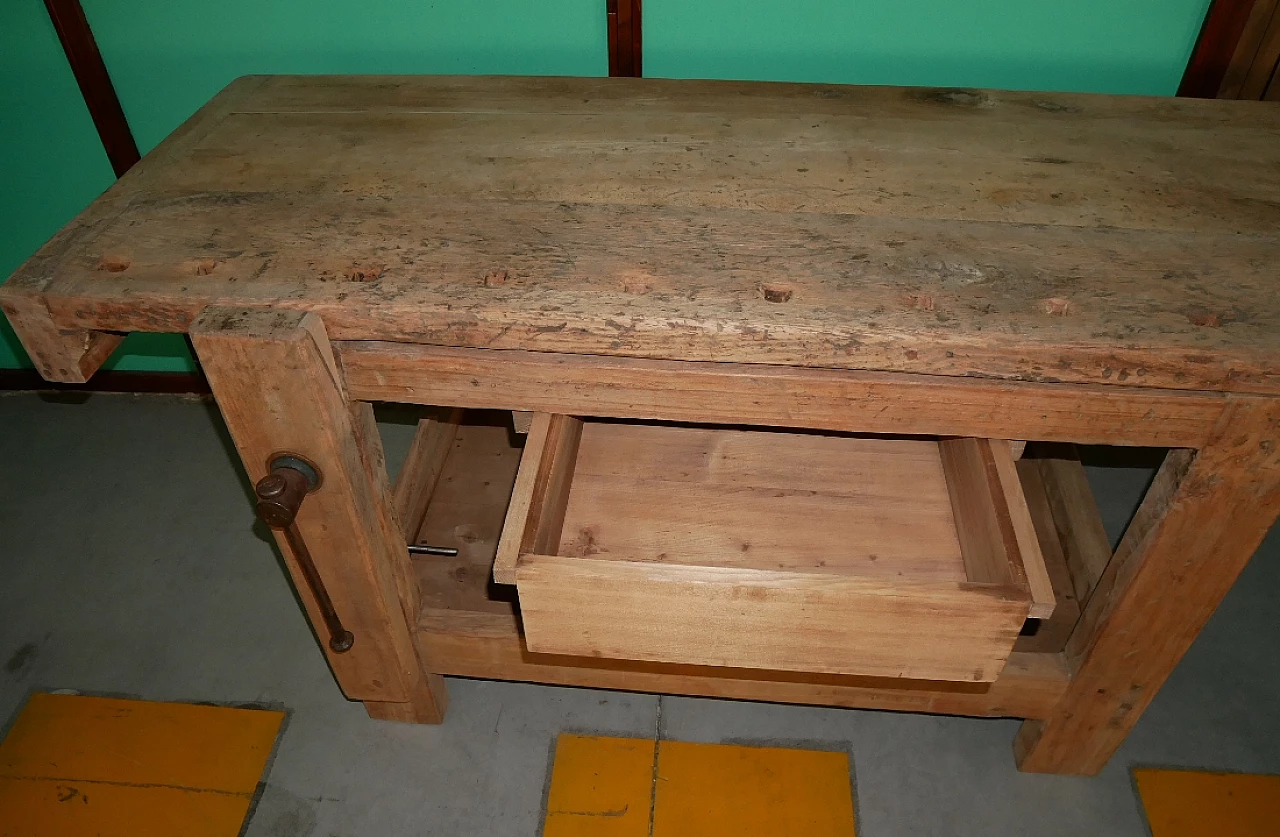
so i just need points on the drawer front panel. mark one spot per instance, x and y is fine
(746, 618)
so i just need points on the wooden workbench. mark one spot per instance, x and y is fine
(906, 262)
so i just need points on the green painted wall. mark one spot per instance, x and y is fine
(1100, 46)
(167, 57)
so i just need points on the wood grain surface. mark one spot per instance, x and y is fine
(779, 396)
(432, 441)
(829, 505)
(1085, 543)
(278, 388)
(1028, 236)
(835, 554)
(1200, 523)
(1050, 635)
(769, 619)
(537, 508)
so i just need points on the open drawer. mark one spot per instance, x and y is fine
(766, 549)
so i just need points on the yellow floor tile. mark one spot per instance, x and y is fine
(1188, 803)
(707, 790)
(86, 765)
(600, 787)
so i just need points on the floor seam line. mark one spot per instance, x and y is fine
(657, 747)
(145, 785)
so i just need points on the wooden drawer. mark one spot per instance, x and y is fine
(776, 550)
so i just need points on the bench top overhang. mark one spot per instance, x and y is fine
(1030, 236)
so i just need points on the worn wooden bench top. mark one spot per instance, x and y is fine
(1033, 236)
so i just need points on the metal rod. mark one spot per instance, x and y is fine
(423, 549)
(340, 639)
(280, 495)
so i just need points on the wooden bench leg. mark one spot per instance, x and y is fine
(275, 380)
(1201, 521)
(69, 356)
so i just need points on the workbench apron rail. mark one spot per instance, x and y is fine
(778, 396)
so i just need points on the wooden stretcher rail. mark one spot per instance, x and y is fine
(729, 393)
(1029, 686)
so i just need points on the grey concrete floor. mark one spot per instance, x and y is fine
(129, 565)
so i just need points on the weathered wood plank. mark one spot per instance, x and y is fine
(944, 297)
(1012, 235)
(806, 502)
(795, 621)
(148, 176)
(982, 522)
(66, 355)
(1175, 563)
(278, 387)
(1026, 540)
(997, 538)
(827, 148)
(776, 163)
(541, 492)
(1051, 634)
(1028, 687)
(1076, 516)
(422, 467)
(729, 393)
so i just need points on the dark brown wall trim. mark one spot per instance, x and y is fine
(166, 382)
(95, 84)
(1223, 25)
(624, 38)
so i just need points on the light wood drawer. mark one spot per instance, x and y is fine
(776, 550)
